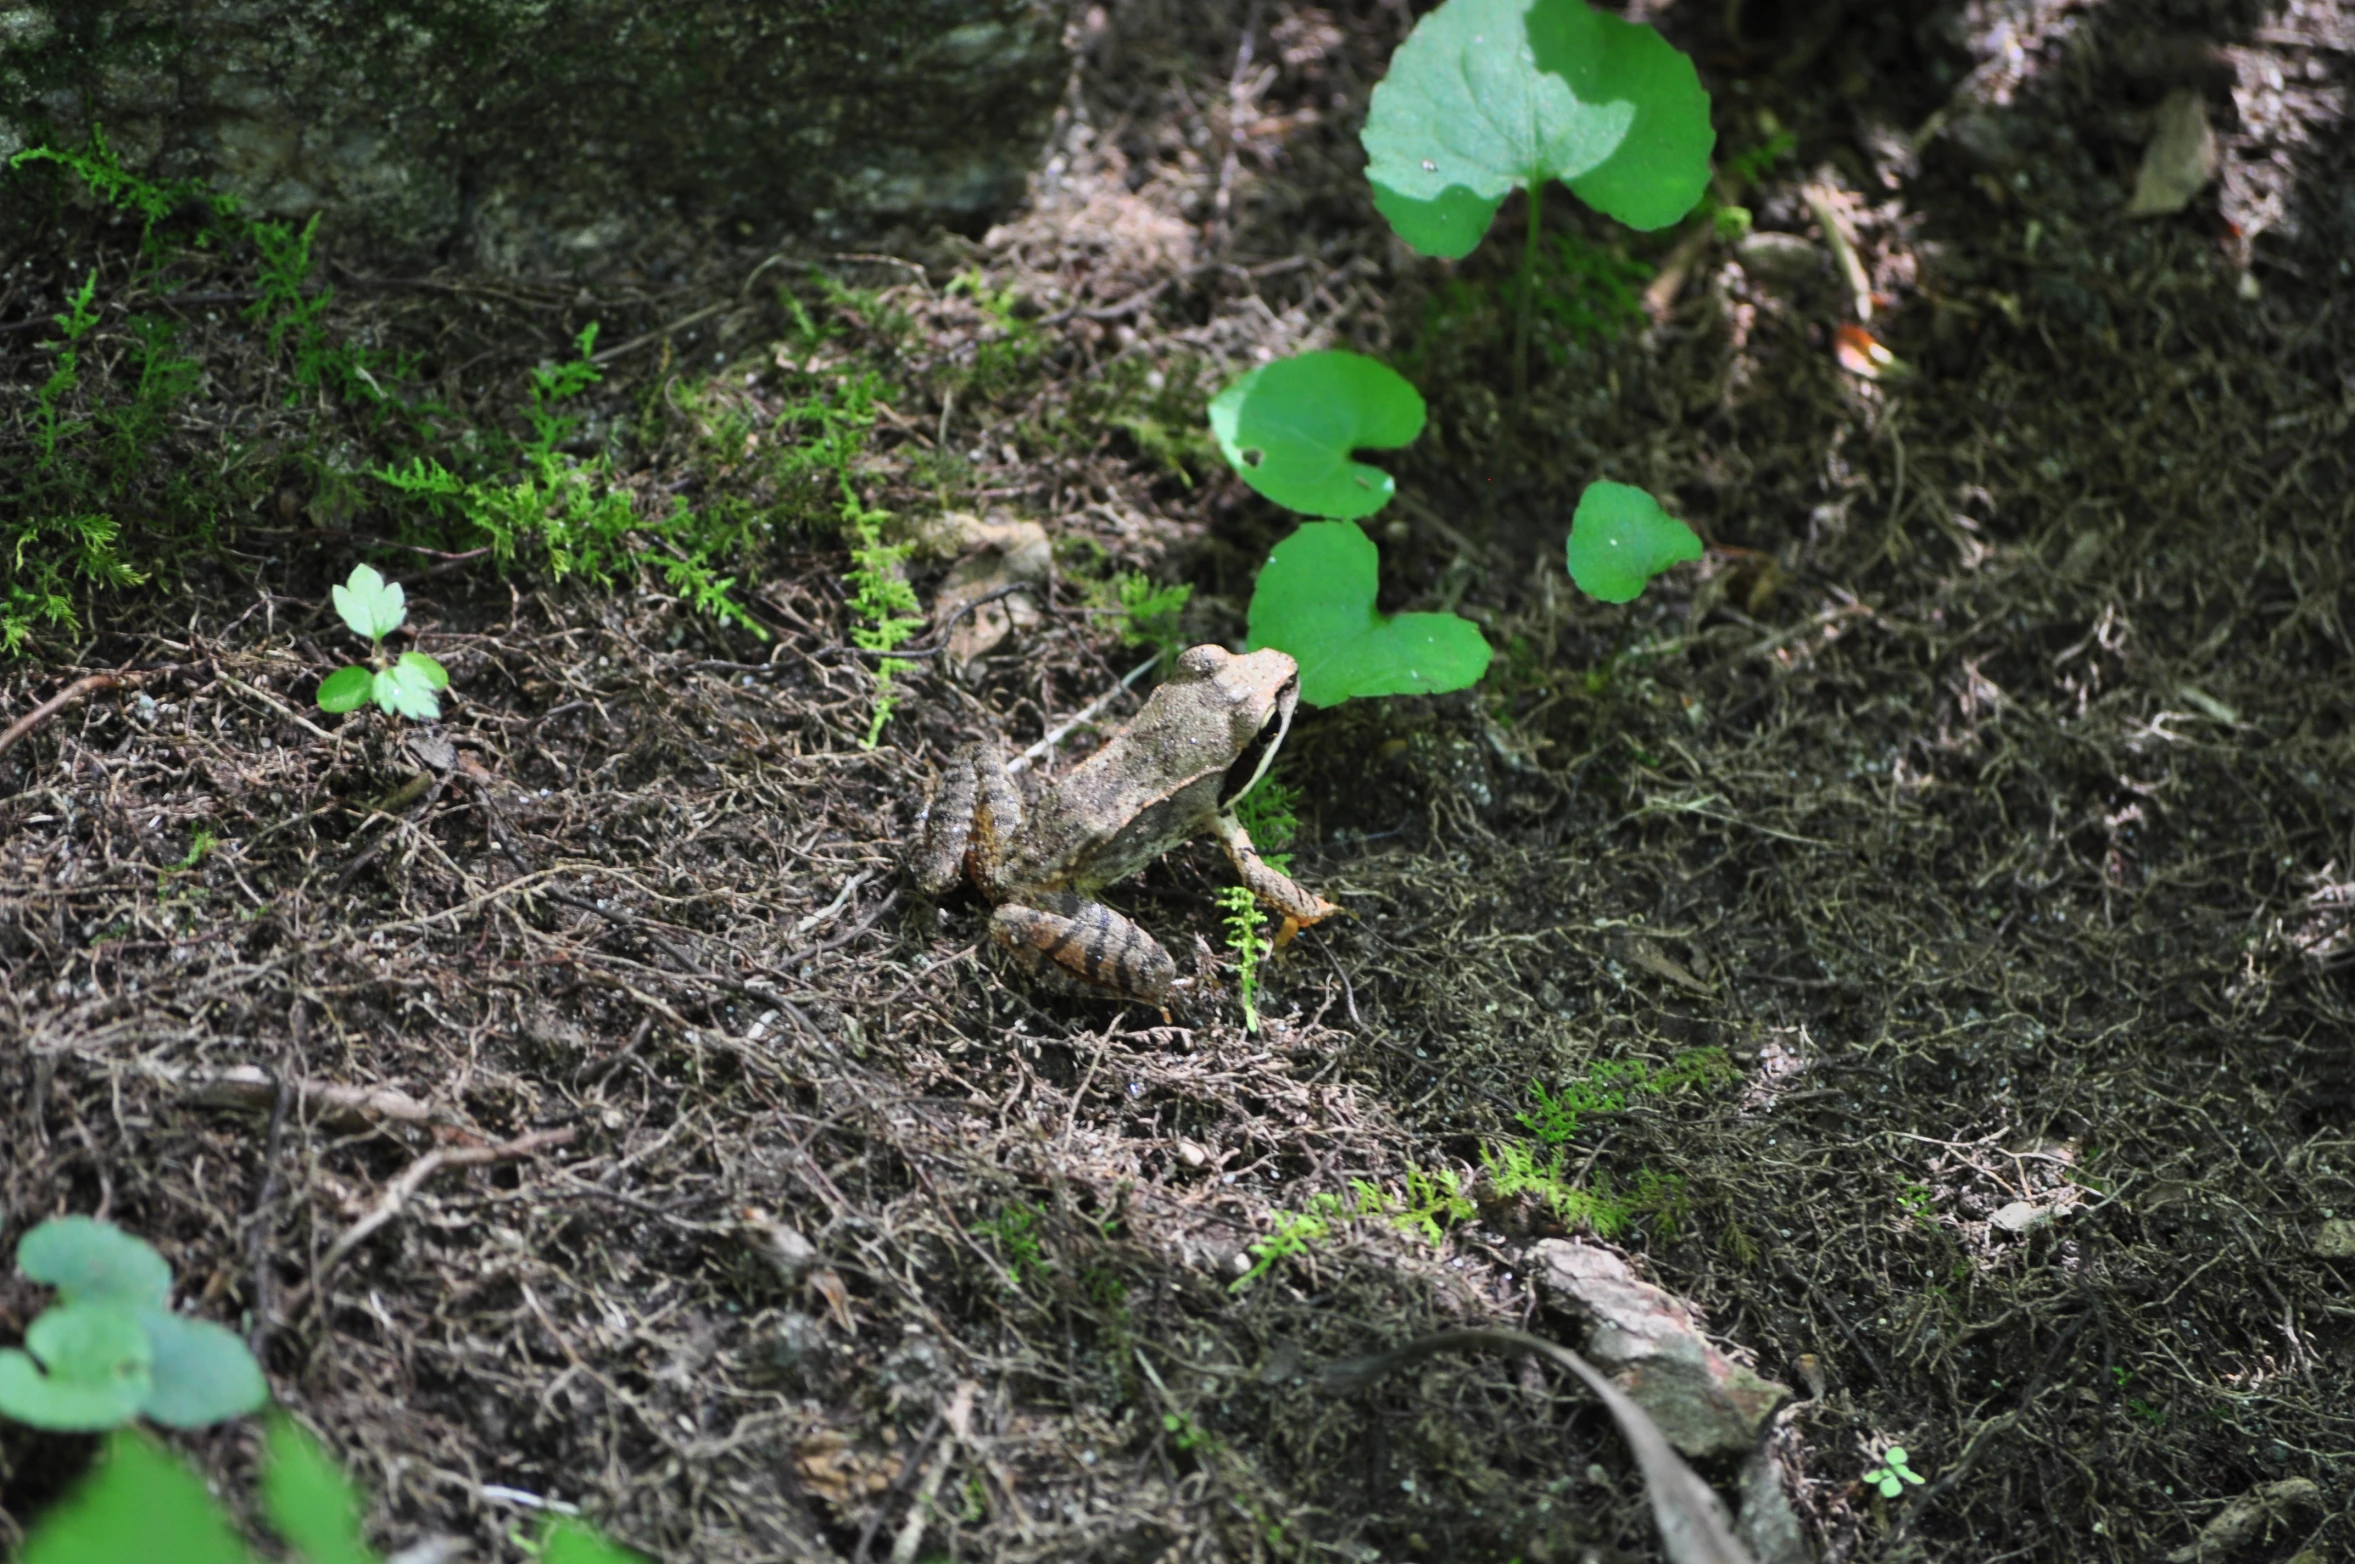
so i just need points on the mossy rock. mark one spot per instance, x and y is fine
(552, 135)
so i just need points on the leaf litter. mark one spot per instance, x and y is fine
(1983, 907)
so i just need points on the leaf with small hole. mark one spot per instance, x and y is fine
(1292, 429)
(1489, 96)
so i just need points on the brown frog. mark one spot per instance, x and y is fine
(1204, 739)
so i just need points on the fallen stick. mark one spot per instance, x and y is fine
(59, 702)
(412, 1178)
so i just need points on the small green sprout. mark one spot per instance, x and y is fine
(111, 1349)
(1148, 612)
(1892, 1477)
(374, 607)
(1620, 538)
(1315, 600)
(1244, 922)
(1290, 430)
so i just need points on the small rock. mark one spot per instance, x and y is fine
(2334, 1239)
(2180, 159)
(1647, 1340)
(1778, 258)
(2021, 1216)
(2254, 1513)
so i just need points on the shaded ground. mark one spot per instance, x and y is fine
(1986, 797)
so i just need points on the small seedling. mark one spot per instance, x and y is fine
(1620, 539)
(1315, 600)
(111, 1349)
(1489, 96)
(1290, 430)
(1892, 1477)
(403, 687)
(1148, 613)
(1244, 922)
(885, 605)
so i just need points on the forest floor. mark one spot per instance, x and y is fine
(1921, 936)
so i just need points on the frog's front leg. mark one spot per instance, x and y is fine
(971, 821)
(1076, 946)
(1277, 891)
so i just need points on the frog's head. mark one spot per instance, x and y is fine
(1251, 698)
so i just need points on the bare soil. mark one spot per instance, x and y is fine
(575, 1105)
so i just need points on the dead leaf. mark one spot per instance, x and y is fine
(837, 1472)
(2180, 159)
(826, 1285)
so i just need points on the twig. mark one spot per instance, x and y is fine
(257, 1231)
(413, 1177)
(58, 702)
(1086, 715)
(1835, 235)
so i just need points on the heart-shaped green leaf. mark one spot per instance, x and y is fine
(345, 689)
(371, 605)
(138, 1504)
(1489, 96)
(309, 1499)
(1620, 538)
(406, 688)
(96, 1358)
(1290, 428)
(201, 1372)
(1315, 600)
(89, 1260)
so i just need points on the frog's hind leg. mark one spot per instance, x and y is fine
(971, 818)
(1298, 906)
(1076, 946)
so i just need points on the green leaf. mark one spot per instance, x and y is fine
(1315, 600)
(371, 605)
(138, 1504)
(1620, 538)
(571, 1542)
(309, 1500)
(345, 689)
(97, 1360)
(1289, 428)
(406, 689)
(1489, 96)
(425, 670)
(84, 1258)
(203, 1373)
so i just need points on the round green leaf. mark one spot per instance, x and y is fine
(86, 1259)
(371, 605)
(1620, 538)
(202, 1373)
(1289, 429)
(138, 1504)
(1489, 96)
(406, 690)
(345, 689)
(96, 1358)
(1315, 600)
(309, 1500)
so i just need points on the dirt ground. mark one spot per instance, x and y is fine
(601, 1118)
